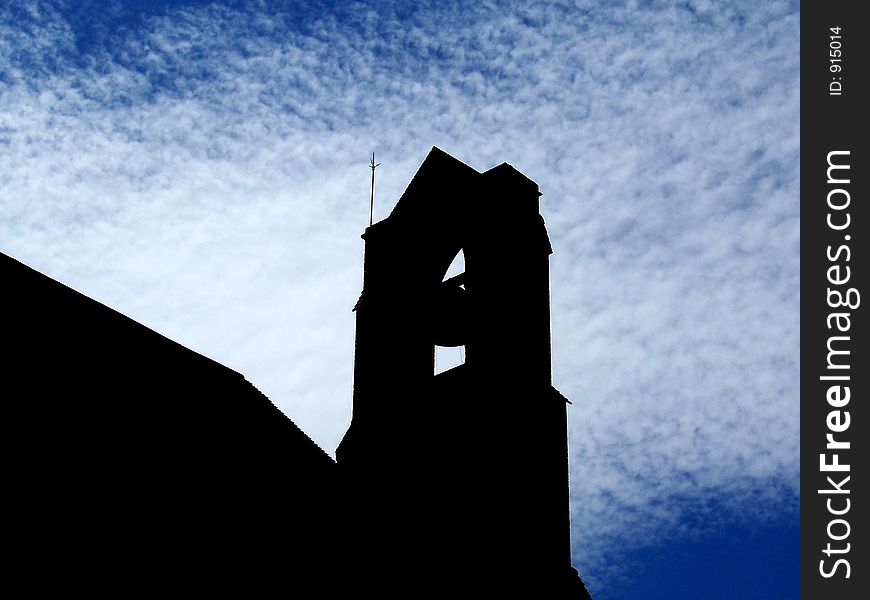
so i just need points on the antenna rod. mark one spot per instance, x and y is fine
(372, 206)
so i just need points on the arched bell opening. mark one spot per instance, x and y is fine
(450, 317)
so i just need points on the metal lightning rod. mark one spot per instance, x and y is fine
(373, 166)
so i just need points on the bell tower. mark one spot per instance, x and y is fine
(458, 481)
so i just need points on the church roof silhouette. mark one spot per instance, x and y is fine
(139, 465)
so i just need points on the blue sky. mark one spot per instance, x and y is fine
(202, 167)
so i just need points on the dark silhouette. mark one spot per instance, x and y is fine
(462, 478)
(141, 465)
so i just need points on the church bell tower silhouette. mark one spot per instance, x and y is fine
(458, 482)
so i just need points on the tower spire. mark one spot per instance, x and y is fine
(373, 166)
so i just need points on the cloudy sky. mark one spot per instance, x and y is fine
(202, 167)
